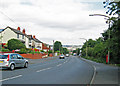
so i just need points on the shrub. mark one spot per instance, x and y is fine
(22, 51)
(5, 50)
(14, 44)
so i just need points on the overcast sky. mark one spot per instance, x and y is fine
(59, 20)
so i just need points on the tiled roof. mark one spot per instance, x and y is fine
(35, 39)
(19, 32)
(16, 31)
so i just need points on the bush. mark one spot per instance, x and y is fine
(5, 50)
(14, 44)
(22, 51)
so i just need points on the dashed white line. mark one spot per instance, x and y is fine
(44, 69)
(59, 65)
(10, 78)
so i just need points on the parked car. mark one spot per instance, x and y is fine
(67, 55)
(12, 60)
(61, 56)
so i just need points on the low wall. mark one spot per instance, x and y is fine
(34, 56)
(50, 55)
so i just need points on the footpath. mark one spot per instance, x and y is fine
(105, 74)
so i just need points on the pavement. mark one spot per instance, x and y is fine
(105, 74)
(71, 70)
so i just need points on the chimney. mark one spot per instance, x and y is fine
(18, 28)
(34, 36)
(23, 31)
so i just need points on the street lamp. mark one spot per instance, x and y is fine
(86, 45)
(108, 29)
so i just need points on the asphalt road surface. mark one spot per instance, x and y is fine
(52, 70)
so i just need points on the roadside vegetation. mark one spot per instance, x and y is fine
(98, 49)
(59, 49)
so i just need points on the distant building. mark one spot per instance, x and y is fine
(72, 47)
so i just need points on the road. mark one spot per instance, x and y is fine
(52, 70)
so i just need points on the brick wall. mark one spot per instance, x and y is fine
(34, 56)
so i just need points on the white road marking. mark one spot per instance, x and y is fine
(93, 75)
(59, 65)
(44, 69)
(10, 78)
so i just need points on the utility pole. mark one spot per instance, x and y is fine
(109, 21)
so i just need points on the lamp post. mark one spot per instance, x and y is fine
(86, 45)
(108, 27)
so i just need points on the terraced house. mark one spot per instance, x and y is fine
(29, 40)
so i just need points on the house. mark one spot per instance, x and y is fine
(45, 47)
(11, 33)
(34, 42)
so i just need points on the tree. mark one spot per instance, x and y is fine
(58, 46)
(112, 6)
(65, 51)
(14, 44)
(114, 9)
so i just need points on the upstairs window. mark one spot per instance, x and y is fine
(22, 36)
(29, 40)
(17, 35)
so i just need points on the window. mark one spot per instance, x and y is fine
(17, 35)
(3, 56)
(19, 56)
(22, 36)
(29, 40)
(13, 56)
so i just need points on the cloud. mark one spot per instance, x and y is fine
(54, 19)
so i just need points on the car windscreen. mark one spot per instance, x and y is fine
(3, 56)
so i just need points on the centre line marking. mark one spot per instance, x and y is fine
(59, 65)
(44, 69)
(10, 78)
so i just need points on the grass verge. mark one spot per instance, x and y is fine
(100, 60)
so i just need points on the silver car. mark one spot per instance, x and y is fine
(12, 60)
(61, 56)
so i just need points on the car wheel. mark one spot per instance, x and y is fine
(12, 67)
(26, 65)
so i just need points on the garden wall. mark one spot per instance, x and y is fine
(34, 56)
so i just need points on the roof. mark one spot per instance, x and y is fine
(16, 31)
(19, 32)
(35, 39)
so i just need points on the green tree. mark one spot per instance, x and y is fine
(58, 46)
(112, 6)
(114, 9)
(65, 51)
(14, 44)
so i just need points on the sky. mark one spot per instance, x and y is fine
(60, 20)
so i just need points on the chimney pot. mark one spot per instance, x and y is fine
(34, 36)
(18, 28)
(23, 31)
